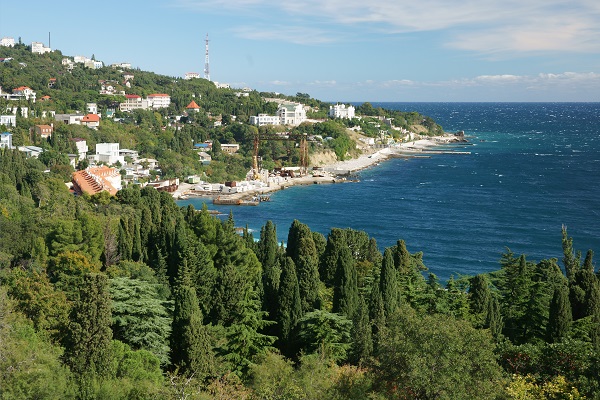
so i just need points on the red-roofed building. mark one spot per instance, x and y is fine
(45, 131)
(91, 121)
(193, 106)
(94, 180)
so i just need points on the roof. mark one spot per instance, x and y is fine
(132, 96)
(22, 88)
(92, 180)
(193, 105)
(44, 126)
(91, 118)
(158, 95)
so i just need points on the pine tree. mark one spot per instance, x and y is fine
(560, 318)
(388, 283)
(345, 290)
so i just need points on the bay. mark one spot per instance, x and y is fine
(533, 167)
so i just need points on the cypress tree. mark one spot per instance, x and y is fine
(327, 268)
(493, 318)
(191, 350)
(268, 251)
(345, 290)
(560, 318)
(362, 339)
(302, 250)
(479, 294)
(88, 339)
(570, 261)
(588, 263)
(388, 283)
(288, 305)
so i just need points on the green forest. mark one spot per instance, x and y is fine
(133, 297)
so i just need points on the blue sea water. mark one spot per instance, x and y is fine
(533, 167)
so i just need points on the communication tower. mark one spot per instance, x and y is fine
(206, 69)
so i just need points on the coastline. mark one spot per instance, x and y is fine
(333, 173)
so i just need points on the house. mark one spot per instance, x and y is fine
(39, 48)
(94, 180)
(134, 102)
(82, 148)
(230, 148)
(291, 114)
(79, 59)
(20, 93)
(24, 111)
(45, 98)
(51, 82)
(159, 100)
(123, 65)
(107, 153)
(265, 119)
(45, 131)
(132, 154)
(93, 64)
(193, 107)
(7, 42)
(341, 111)
(203, 146)
(92, 108)
(69, 119)
(150, 163)
(205, 158)
(6, 140)
(8, 120)
(31, 151)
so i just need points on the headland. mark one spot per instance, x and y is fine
(338, 172)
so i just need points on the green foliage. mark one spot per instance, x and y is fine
(140, 318)
(436, 357)
(325, 333)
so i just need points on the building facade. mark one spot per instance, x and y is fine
(341, 111)
(291, 114)
(159, 100)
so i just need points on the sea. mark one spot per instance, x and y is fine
(533, 168)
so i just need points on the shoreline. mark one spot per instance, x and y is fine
(333, 173)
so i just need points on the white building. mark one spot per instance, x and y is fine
(159, 100)
(191, 75)
(8, 120)
(291, 114)
(7, 42)
(265, 119)
(92, 108)
(14, 110)
(134, 102)
(39, 48)
(69, 119)
(341, 111)
(93, 64)
(20, 93)
(121, 65)
(82, 148)
(107, 153)
(79, 59)
(6, 140)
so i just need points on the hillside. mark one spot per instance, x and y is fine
(167, 134)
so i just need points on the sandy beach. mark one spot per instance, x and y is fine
(333, 173)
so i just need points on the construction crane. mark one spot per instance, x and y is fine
(281, 136)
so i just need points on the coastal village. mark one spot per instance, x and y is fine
(110, 167)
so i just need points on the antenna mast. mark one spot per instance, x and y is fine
(206, 69)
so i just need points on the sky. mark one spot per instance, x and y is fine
(339, 50)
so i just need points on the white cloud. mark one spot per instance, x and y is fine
(487, 26)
